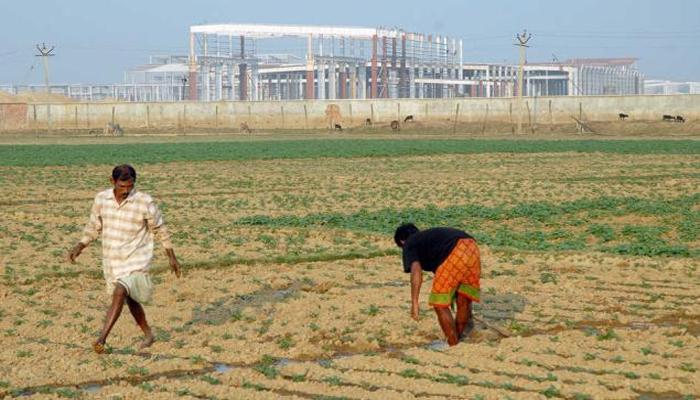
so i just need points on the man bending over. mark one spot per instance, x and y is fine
(453, 256)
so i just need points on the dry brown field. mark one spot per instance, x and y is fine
(293, 287)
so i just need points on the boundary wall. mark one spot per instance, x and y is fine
(320, 114)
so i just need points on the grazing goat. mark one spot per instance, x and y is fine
(669, 118)
(368, 122)
(113, 130)
(408, 118)
(623, 116)
(679, 118)
(337, 127)
(245, 128)
(395, 125)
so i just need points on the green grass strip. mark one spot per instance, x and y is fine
(153, 153)
(547, 226)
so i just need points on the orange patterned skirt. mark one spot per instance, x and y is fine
(458, 275)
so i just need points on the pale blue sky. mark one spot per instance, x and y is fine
(96, 40)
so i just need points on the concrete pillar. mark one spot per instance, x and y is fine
(403, 73)
(207, 82)
(321, 79)
(332, 82)
(393, 89)
(353, 82)
(412, 83)
(573, 78)
(230, 76)
(445, 54)
(279, 87)
(488, 81)
(528, 87)
(342, 83)
(309, 92)
(301, 93)
(271, 88)
(255, 80)
(192, 79)
(421, 88)
(373, 68)
(242, 81)
(219, 82)
(207, 68)
(385, 69)
(362, 81)
(460, 54)
(599, 84)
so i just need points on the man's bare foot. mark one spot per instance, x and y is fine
(99, 348)
(147, 341)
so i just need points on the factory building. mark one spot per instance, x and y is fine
(251, 62)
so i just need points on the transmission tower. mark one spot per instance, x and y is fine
(523, 39)
(45, 53)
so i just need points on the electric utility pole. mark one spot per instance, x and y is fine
(523, 39)
(45, 53)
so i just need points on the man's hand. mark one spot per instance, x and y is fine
(415, 312)
(175, 267)
(174, 264)
(75, 252)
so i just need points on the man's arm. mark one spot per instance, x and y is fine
(91, 232)
(154, 220)
(416, 282)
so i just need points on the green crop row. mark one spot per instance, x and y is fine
(152, 153)
(535, 226)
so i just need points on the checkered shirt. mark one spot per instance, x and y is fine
(127, 231)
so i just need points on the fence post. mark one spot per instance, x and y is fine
(454, 127)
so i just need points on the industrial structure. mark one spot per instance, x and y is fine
(655, 86)
(250, 62)
(226, 63)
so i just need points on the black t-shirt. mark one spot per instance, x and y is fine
(431, 247)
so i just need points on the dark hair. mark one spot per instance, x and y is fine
(403, 232)
(124, 172)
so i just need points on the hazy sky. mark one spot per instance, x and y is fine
(96, 40)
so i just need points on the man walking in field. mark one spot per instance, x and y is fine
(128, 221)
(453, 256)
